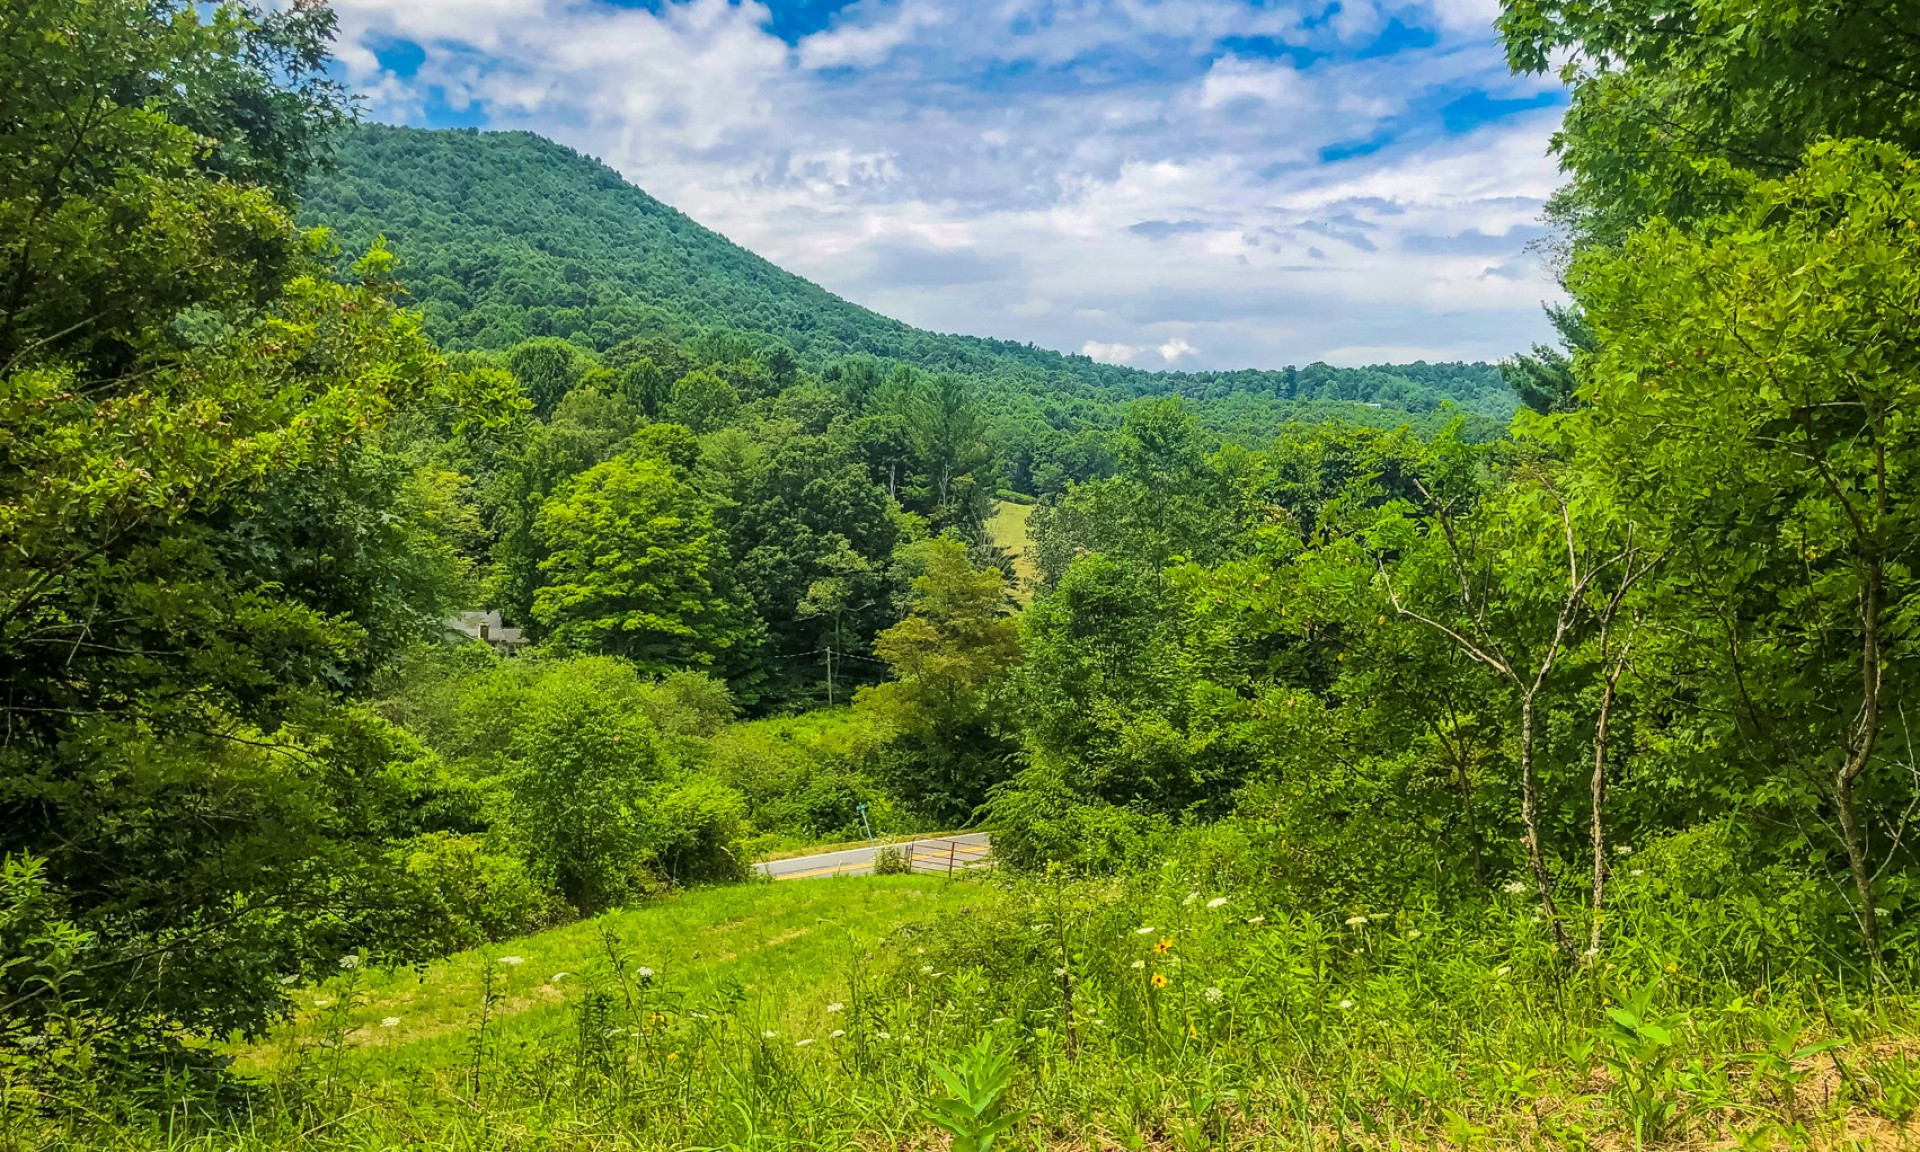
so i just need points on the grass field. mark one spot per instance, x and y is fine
(776, 953)
(1007, 528)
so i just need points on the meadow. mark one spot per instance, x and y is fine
(1175, 1009)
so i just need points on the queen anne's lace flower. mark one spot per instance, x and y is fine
(389, 1021)
(1214, 995)
(1217, 902)
(513, 961)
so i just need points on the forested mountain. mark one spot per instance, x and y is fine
(503, 236)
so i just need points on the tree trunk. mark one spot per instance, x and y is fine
(1530, 818)
(1859, 753)
(1600, 799)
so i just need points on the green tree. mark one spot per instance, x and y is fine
(207, 540)
(583, 768)
(703, 401)
(630, 568)
(1755, 391)
(949, 658)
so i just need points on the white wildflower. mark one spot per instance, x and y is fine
(513, 961)
(1356, 921)
(1143, 930)
(1137, 965)
(1514, 887)
(769, 1035)
(1041, 927)
(644, 972)
(1345, 1004)
(1217, 902)
(1191, 897)
(926, 969)
(1214, 995)
(1638, 872)
(389, 1021)
(803, 1043)
(836, 1033)
(1256, 919)
(350, 961)
(836, 1006)
(1622, 850)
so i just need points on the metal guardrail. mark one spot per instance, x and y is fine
(946, 857)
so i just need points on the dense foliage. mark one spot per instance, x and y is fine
(1605, 712)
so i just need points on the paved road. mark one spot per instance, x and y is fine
(928, 855)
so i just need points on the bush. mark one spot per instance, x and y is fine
(582, 767)
(891, 860)
(483, 894)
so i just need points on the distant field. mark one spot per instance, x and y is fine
(783, 951)
(1007, 527)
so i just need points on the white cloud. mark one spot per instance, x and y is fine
(1109, 353)
(1092, 174)
(1175, 348)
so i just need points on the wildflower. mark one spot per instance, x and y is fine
(1256, 919)
(389, 1021)
(837, 1033)
(1514, 888)
(1159, 980)
(673, 1055)
(557, 977)
(1136, 966)
(1217, 902)
(1143, 930)
(1345, 1004)
(350, 962)
(769, 1035)
(1191, 897)
(1165, 946)
(1214, 995)
(803, 1043)
(645, 973)
(1099, 1023)
(926, 969)
(1638, 872)
(1622, 850)
(656, 1018)
(1041, 927)
(1356, 921)
(1672, 968)
(836, 1007)
(513, 961)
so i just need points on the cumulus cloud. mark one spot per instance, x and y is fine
(1108, 353)
(1141, 181)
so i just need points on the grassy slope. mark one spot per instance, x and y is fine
(1007, 528)
(785, 947)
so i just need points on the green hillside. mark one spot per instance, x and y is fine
(506, 235)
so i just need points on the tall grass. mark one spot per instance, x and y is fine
(1163, 1011)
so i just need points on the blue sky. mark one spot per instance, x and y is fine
(1184, 183)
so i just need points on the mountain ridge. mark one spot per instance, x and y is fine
(504, 236)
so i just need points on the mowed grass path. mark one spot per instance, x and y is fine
(783, 951)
